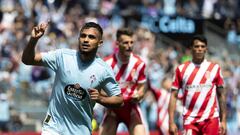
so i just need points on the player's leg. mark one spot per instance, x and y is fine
(135, 125)
(137, 129)
(211, 127)
(191, 129)
(164, 130)
(109, 124)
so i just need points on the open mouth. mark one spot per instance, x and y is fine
(85, 46)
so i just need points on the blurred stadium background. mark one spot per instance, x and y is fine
(163, 29)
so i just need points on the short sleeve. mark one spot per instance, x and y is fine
(176, 84)
(50, 59)
(142, 74)
(109, 84)
(219, 78)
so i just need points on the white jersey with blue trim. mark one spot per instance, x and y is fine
(70, 109)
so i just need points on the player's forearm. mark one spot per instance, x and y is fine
(221, 93)
(172, 106)
(113, 101)
(141, 91)
(137, 95)
(29, 52)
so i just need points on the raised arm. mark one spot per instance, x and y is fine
(29, 57)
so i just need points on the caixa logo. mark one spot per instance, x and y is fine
(75, 92)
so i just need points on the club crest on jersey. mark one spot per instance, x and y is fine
(92, 78)
(75, 92)
(207, 75)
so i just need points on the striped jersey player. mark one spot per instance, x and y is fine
(129, 72)
(199, 90)
(163, 98)
(128, 75)
(202, 85)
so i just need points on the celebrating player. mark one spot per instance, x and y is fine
(77, 81)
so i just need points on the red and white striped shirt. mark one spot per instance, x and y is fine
(163, 98)
(198, 83)
(128, 75)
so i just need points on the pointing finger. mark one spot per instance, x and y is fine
(44, 25)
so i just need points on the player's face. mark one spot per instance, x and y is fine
(125, 45)
(89, 40)
(199, 49)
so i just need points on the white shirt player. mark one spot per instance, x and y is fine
(70, 109)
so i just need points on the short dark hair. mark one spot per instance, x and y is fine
(124, 31)
(92, 25)
(201, 38)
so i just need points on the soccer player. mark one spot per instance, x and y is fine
(202, 85)
(129, 71)
(163, 97)
(79, 76)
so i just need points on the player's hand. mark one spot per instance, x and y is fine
(173, 130)
(135, 98)
(223, 128)
(39, 30)
(94, 94)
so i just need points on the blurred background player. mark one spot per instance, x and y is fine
(129, 71)
(162, 97)
(74, 95)
(202, 85)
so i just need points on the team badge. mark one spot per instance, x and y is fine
(92, 78)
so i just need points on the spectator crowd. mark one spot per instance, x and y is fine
(20, 84)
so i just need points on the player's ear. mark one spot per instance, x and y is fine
(100, 43)
(117, 43)
(206, 50)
